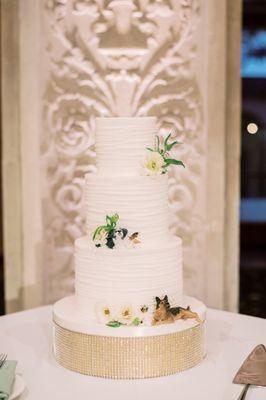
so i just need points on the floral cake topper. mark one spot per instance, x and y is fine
(109, 234)
(159, 159)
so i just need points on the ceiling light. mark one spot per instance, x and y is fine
(252, 128)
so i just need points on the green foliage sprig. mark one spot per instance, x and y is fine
(111, 222)
(164, 152)
(111, 231)
(136, 322)
(116, 324)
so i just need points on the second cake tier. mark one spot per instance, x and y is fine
(141, 203)
(122, 277)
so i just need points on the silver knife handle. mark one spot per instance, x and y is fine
(244, 392)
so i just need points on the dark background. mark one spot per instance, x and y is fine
(253, 161)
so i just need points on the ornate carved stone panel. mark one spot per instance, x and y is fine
(119, 58)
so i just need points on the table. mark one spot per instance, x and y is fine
(27, 337)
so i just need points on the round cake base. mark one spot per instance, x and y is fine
(126, 352)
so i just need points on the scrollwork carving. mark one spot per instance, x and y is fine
(114, 58)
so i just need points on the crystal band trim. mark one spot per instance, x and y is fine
(129, 358)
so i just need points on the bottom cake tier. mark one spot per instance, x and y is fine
(90, 348)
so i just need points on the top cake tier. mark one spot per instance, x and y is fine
(121, 142)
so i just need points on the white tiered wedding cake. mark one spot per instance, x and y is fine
(129, 318)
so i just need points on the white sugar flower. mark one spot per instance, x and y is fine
(104, 313)
(145, 314)
(100, 235)
(126, 314)
(153, 163)
(100, 238)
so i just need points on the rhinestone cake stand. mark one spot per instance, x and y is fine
(126, 352)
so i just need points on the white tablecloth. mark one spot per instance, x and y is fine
(27, 337)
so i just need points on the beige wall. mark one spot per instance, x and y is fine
(73, 60)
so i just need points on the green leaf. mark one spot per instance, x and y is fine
(111, 233)
(108, 220)
(115, 218)
(172, 161)
(111, 220)
(148, 148)
(136, 321)
(169, 146)
(94, 234)
(166, 140)
(97, 230)
(114, 324)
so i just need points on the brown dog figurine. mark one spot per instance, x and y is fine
(186, 314)
(164, 314)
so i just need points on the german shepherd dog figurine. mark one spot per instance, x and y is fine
(164, 314)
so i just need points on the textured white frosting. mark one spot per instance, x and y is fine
(127, 276)
(121, 144)
(140, 201)
(124, 275)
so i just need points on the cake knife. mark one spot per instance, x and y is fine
(252, 371)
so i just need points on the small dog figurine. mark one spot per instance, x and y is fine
(164, 314)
